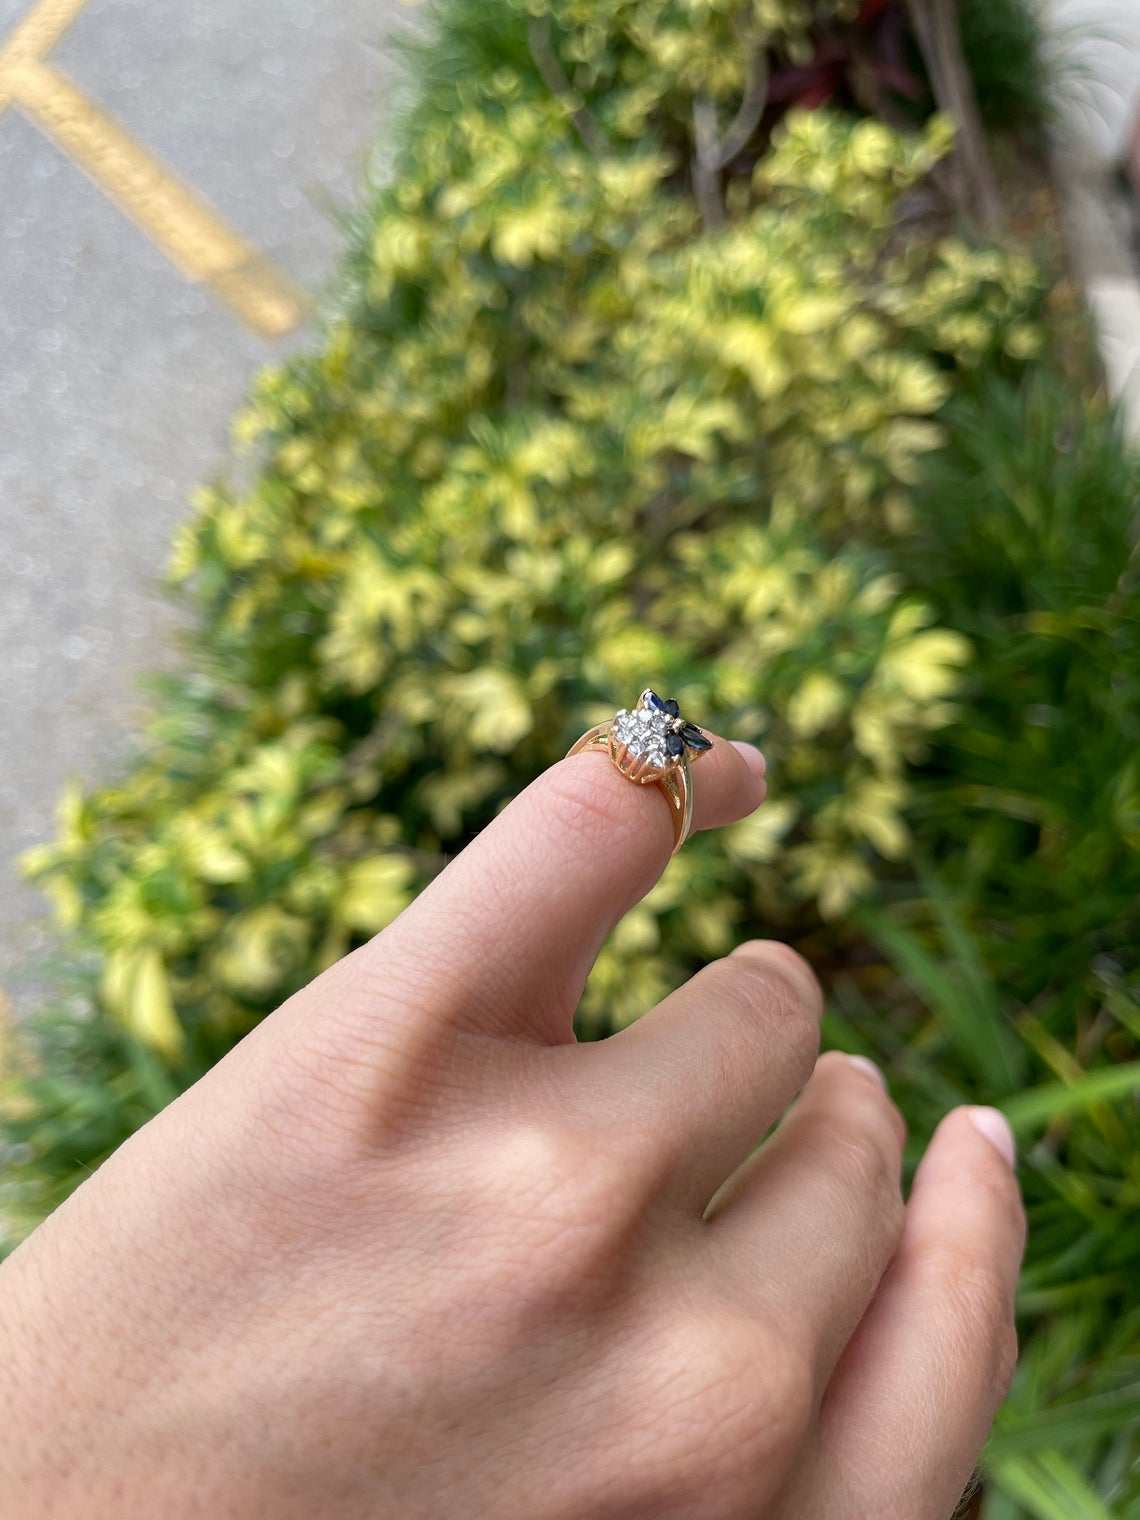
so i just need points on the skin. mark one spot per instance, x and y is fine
(410, 1250)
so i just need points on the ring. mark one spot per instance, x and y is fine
(652, 745)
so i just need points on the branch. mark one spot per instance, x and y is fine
(714, 152)
(936, 30)
(706, 164)
(747, 118)
(548, 65)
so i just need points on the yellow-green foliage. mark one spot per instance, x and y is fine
(666, 53)
(563, 443)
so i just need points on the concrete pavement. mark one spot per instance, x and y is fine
(118, 377)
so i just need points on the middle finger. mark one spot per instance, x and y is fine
(711, 1068)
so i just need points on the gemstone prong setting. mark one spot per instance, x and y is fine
(652, 739)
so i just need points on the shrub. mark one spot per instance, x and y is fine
(562, 443)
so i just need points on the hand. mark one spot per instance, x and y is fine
(411, 1251)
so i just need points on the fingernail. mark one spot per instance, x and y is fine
(754, 760)
(868, 1066)
(992, 1123)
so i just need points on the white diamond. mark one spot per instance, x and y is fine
(643, 731)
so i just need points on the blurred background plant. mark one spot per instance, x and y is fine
(645, 372)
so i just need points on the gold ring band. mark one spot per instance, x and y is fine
(652, 745)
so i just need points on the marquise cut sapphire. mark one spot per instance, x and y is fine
(655, 730)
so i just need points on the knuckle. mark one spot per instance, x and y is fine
(759, 996)
(967, 1277)
(790, 1393)
(785, 966)
(596, 1181)
(866, 1151)
(722, 1424)
(865, 1105)
(564, 1204)
(1004, 1358)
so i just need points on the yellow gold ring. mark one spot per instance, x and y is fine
(652, 745)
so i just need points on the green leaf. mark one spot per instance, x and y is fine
(1065, 1424)
(965, 1007)
(1030, 1110)
(1049, 1487)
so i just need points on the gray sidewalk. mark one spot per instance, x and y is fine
(119, 376)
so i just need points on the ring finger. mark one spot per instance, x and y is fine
(808, 1225)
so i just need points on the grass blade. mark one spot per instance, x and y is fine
(1030, 1110)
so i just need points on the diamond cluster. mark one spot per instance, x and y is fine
(644, 729)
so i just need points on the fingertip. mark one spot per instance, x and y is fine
(749, 785)
(869, 1069)
(787, 963)
(995, 1127)
(753, 757)
(962, 1131)
(970, 1168)
(728, 783)
(836, 1066)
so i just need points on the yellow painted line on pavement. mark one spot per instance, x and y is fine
(43, 26)
(185, 227)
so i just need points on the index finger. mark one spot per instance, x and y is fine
(510, 928)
